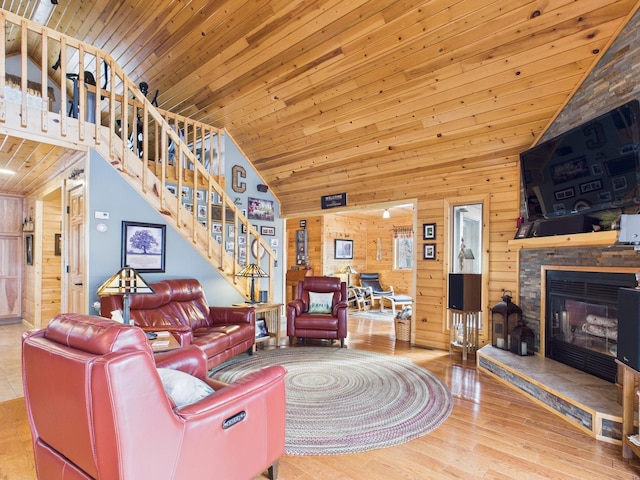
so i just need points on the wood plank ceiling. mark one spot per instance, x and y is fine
(330, 96)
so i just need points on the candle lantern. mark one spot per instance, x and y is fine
(505, 315)
(522, 340)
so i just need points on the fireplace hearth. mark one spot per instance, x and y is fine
(581, 324)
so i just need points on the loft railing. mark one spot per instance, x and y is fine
(175, 162)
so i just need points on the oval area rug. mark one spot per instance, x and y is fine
(343, 401)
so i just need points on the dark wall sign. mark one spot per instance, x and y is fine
(336, 200)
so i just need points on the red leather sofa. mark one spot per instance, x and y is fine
(97, 408)
(180, 307)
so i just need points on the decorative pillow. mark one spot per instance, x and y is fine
(183, 388)
(320, 302)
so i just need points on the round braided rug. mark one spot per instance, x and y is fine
(345, 401)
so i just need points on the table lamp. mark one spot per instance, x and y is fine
(125, 282)
(252, 271)
(349, 270)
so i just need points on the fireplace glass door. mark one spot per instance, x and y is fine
(582, 320)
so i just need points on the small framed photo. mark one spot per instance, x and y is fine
(429, 251)
(428, 231)
(261, 328)
(267, 230)
(524, 231)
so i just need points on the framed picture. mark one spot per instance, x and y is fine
(261, 328)
(260, 209)
(429, 231)
(143, 246)
(344, 249)
(267, 230)
(28, 249)
(524, 230)
(429, 251)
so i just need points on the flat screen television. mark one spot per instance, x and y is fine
(590, 168)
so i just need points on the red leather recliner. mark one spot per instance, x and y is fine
(98, 410)
(302, 322)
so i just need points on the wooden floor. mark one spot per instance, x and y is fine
(492, 433)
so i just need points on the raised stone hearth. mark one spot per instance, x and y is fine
(583, 400)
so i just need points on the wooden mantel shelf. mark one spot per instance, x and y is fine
(608, 237)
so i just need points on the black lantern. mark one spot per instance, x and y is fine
(521, 340)
(504, 317)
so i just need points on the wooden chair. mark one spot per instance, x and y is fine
(371, 282)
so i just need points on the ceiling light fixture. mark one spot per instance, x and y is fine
(386, 213)
(6, 171)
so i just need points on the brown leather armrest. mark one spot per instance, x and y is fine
(182, 333)
(254, 383)
(227, 315)
(297, 306)
(338, 306)
(191, 360)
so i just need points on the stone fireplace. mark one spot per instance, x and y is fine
(539, 256)
(581, 319)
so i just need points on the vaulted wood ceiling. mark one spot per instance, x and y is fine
(330, 96)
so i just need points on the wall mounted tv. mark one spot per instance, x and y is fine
(590, 168)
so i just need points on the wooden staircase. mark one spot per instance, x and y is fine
(150, 148)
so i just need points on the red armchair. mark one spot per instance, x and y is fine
(98, 409)
(320, 310)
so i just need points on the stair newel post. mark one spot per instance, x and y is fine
(3, 76)
(81, 101)
(44, 80)
(96, 112)
(112, 111)
(63, 87)
(23, 72)
(124, 135)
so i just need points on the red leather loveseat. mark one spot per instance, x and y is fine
(180, 307)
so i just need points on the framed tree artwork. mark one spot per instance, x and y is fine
(143, 246)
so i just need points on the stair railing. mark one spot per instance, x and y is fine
(170, 159)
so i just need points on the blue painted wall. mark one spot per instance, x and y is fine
(108, 192)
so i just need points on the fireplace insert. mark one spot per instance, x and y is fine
(581, 324)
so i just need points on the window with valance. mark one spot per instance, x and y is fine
(403, 247)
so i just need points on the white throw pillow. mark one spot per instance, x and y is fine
(320, 302)
(183, 388)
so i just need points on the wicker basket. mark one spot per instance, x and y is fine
(403, 329)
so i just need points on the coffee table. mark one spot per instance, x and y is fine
(399, 300)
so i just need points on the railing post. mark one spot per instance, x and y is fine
(3, 72)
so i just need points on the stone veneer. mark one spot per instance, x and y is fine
(532, 260)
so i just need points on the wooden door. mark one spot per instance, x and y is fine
(76, 290)
(10, 258)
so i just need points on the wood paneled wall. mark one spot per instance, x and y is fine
(434, 192)
(366, 232)
(30, 286)
(51, 263)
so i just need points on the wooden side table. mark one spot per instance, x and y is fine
(464, 329)
(160, 344)
(629, 389)
(270, 313)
